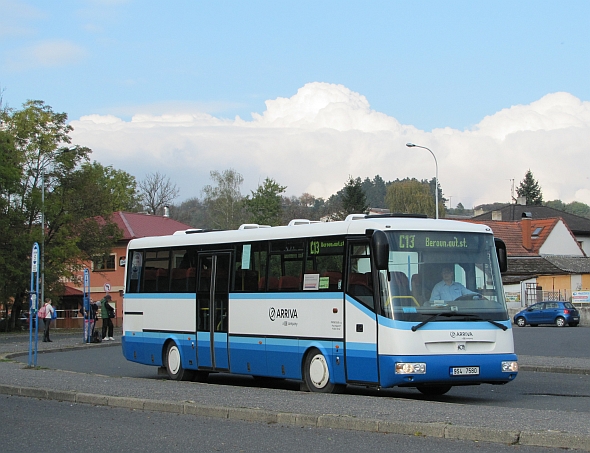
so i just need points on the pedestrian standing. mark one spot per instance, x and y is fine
(89, 320)
(106, 313)
(47, 312)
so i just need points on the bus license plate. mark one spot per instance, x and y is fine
(465, 371)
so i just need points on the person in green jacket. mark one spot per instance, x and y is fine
(107, 324)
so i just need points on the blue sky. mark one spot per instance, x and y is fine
(427, 65)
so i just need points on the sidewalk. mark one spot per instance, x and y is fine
(346, 411)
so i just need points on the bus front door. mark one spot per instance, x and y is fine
(361, 319)
(212, 304)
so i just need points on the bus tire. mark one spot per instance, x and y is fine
(316, 372)
(173, 362)
(434, 390)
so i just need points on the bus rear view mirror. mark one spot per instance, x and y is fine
(380, 250)
(502, 256)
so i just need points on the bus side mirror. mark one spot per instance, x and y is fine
(501, 252)
(380, 250)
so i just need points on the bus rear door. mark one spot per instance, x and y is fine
(212, 303)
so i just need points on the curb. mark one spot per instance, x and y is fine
(11, 355)
(552, 439)
(552, 369)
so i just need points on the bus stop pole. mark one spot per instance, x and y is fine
(87, 328)
(33, 305)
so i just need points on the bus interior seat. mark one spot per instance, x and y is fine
(273, 283)
(335, 279)
(246, 280)
(149, 280)
(289, 283)
(400, 285)
(418, 289)
(359, 284)
(191, 279)
(162, 280)
(179, 280)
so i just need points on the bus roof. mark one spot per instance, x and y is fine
(354, 224)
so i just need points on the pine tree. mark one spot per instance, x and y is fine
(354, 200)
(530, 189)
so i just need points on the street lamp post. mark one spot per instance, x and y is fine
(411, 145)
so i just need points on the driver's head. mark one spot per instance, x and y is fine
(447, 273)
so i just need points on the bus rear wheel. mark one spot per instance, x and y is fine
(434, 390)
(316, 373)
(174, 366)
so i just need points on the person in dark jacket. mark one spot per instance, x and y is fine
(107, 324)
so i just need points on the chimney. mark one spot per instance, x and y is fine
(166, 211)
(525, 227)
(521, 201)
(496, 215)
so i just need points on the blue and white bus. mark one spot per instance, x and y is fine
(330, 304)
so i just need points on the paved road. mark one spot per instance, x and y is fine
(563, 392)
(390, 414)
(106, 429)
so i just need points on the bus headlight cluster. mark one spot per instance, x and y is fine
(410, 368)
(509, 367)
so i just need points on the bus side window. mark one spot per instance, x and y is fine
(286, 265)
(360, 281)
(250, 267)
(326, 258)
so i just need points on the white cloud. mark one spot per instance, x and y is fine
(48, 53)
(313, 140)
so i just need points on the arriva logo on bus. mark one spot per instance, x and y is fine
(282, 313)
(460, 334)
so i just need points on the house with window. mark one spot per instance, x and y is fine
(545, 259)
(579, 226)
(107, 274)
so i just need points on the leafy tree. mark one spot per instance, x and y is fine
(411, 196)
(224, 200)
(192, 212)
(47, 196)
(530, 189)
(460, 209)
(556, 204)
(305, 206)
(264, 206)
(157, 191)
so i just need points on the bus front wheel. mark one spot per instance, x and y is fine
(174, 364)
(316, 373)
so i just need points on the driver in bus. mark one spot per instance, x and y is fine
(448, 289)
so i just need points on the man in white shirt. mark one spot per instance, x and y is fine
(448, 289)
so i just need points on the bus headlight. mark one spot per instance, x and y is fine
(410, 368)
(509, 367)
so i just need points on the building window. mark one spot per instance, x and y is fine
(103, 263)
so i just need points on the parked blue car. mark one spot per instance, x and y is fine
(548, 312)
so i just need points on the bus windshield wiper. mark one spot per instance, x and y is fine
(454, 314)
(479, 318)
(432, 318)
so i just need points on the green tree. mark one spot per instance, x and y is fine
(192, 212)
(353, 199)
(410, 196)
(530, 189)
(48, 196)
(224, 200)
(264, 206)
(375, 191)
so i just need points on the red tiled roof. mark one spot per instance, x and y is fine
(69, 291)
(511, 234)
(136, 225)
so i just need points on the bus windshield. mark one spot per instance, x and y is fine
(439, 273)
